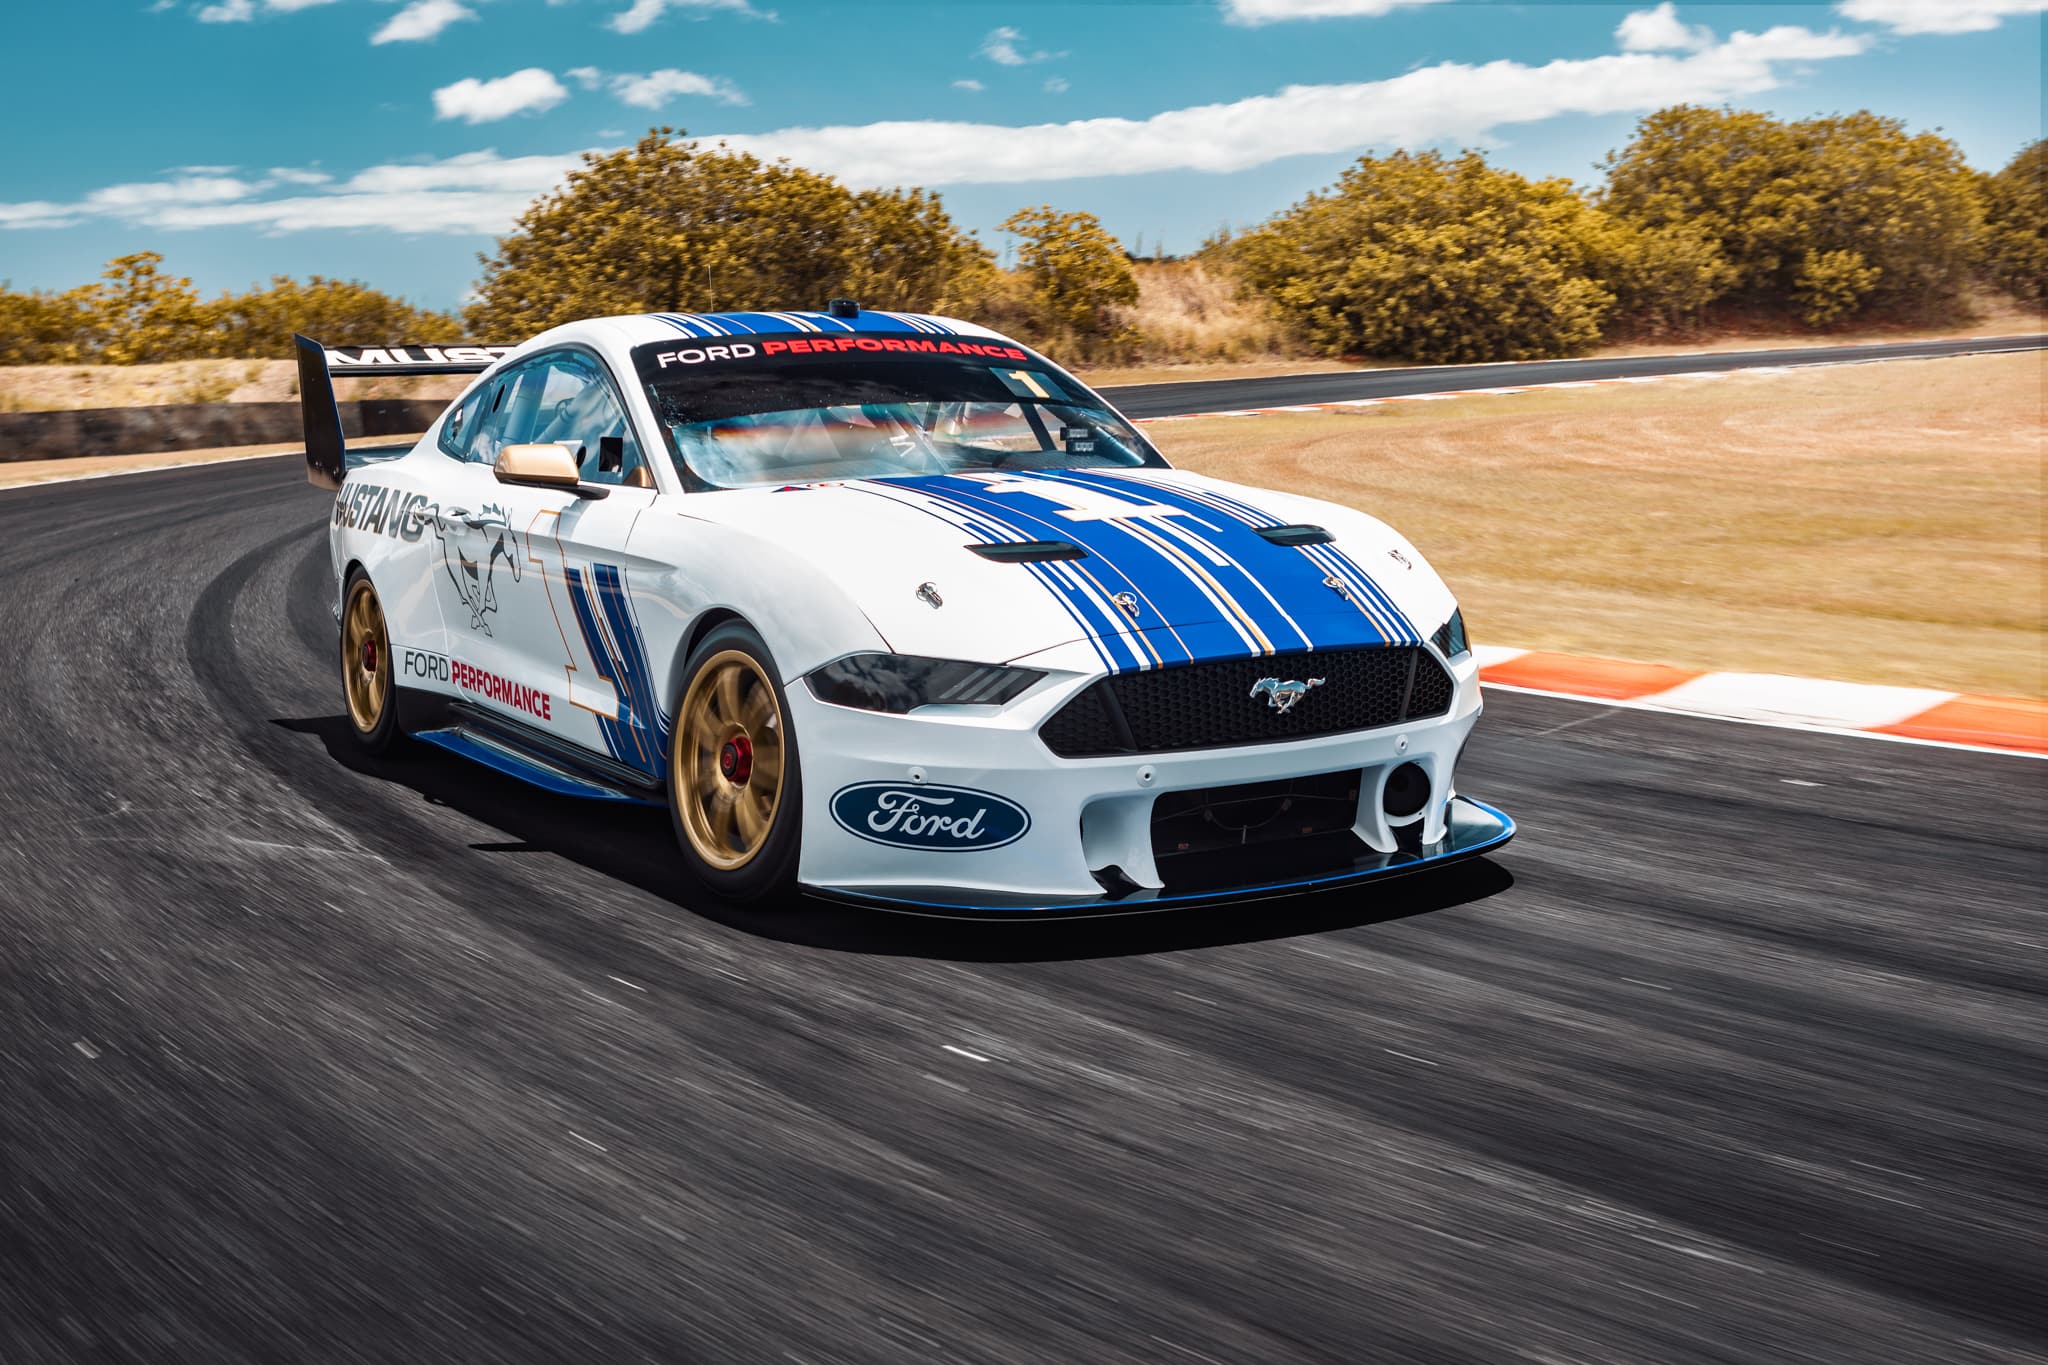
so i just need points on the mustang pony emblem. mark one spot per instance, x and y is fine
(471, 557)
(1281, 696)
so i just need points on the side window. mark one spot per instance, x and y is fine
(576, 407)
(458, 433)
(562, 398)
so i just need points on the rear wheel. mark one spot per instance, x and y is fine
(735, 791)
(366, 666)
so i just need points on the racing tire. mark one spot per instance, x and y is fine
(367, 682)
(735, 786)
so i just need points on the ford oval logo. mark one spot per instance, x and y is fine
(928, 817)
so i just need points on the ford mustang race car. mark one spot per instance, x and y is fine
(892, 608)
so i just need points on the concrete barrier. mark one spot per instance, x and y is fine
(195, 426)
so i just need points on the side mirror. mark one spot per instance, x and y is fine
(545, 465)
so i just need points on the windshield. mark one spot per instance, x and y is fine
(804, 409)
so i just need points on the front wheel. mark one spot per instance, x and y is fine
(734, 786)
(366, 666)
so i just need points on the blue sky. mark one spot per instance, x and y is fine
(390, 140)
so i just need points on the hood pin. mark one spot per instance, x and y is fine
(1126, 604)
(928, 593)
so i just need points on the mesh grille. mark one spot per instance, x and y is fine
(1212, 706)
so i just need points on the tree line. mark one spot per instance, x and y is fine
(137, 312)
(1705, 215)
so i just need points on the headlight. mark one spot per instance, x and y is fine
(1450, 636)
(898, 683)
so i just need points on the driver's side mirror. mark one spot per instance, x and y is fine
(546, 464)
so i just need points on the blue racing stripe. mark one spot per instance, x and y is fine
(962, 521)
(1294, 574)
(1119, 560)
(1280, 594)
(637, 735)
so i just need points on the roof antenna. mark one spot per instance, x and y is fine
(843, 308)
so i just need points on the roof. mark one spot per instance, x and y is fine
(867, 320)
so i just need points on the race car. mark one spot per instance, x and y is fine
(890, 607)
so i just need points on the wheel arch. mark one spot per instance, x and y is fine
(708, 620)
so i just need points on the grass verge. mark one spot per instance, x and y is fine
(1877, 523)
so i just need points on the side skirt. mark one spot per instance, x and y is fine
(521, 751)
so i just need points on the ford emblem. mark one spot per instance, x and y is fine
(929, 817)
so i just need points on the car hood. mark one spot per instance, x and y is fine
(1167, 566)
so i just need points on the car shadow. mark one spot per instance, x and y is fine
(635, 845)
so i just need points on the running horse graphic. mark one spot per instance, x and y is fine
(471, 558)
(1281, 696)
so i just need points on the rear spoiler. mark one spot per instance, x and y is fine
(326, 458)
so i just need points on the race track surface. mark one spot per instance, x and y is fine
(1225, 395)
(1738, 1053)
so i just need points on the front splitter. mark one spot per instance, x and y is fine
(1470, 829)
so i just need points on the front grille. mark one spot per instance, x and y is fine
(1213, 706)
(1236, 817)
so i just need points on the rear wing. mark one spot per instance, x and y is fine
(326, 448)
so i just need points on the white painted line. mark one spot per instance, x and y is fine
(963, 1052)
(1407, 1057)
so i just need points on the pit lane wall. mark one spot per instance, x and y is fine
(195, 426)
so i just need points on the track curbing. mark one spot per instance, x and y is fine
(2009, 725)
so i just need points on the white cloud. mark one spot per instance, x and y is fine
(189, 189)
(645, 12)
(969, 84)
(1057, 85)
(286, 175)
(242, 11)
(39, 213)
(421, 20)
(531, 91)
(1449, 102)
(1661, 30)
(482, 192)
(1937, 16)
(1253, 12)
(657, 88)
(1001, 48)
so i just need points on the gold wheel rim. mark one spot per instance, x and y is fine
(727, 760)
(365, 658)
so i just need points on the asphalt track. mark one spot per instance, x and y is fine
(1225, 395)
(1738, 1053)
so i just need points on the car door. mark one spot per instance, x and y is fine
(544, 568)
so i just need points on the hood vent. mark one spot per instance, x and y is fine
(1296, 535)
(1030, 551)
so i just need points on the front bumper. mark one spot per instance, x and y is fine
(1470, 829)
(1062, 822)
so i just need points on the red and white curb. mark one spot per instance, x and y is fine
(2011, 725)
(1502, 391)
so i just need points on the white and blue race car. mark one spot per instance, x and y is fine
(890, 607)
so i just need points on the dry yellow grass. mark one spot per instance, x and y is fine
(46, 388)
(1878, 523)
